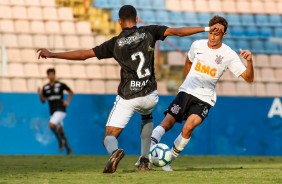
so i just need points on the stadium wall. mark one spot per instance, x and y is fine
(235, 126)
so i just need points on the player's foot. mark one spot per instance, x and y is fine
(69, 150)
(112, 163)
(144, 164)
(138, 162)
(167, 168)
(62, 145)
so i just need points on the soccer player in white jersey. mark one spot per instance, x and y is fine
(207, 60)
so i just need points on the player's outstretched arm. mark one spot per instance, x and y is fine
(42, 98)
(67, 102)
(71, 55)
(248, 74)
(188, 65)
(186, 31)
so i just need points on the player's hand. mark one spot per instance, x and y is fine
(44, 53)
(39, 90)
(246, 54)
(217, 28)
(66, 103)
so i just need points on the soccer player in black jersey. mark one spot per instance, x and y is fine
(133, 49)
(54, 93)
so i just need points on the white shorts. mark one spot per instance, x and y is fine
(57, 118)
(124, 109)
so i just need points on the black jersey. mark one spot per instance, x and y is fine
(55, 96)
(133, 49)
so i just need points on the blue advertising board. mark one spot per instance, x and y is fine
(235, 126)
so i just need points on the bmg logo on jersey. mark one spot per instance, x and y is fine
(205, 69)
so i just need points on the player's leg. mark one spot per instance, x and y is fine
(147, 126)
(55, 131)
(64, 138)
(59, 123)
(145, 135)
(111, 145)
(196, 115)
(110, 139)
(145, 106)
(183, 138)
(174, 113)
(53, 125)
(167, 123)
(160, 130)
(118, 119)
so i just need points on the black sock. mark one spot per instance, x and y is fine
(62, 135)
(56, 133)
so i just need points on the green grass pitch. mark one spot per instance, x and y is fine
(188, 169)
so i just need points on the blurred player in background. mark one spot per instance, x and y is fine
(133, 49)
(54, 93)
(207, 60)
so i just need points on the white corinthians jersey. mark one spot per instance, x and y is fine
(208, 65)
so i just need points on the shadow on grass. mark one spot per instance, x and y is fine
(184, 169)
(210, 169)
(224, 169)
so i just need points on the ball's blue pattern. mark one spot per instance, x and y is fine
(155, 154)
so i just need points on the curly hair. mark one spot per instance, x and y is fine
(219, 20)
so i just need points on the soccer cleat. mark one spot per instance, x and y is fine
(144, 164)
(138, 162)
(69, 150)
(167, 168)
(112, 163)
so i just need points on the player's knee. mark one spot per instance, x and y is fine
(186, 133)
(190, 125)
(112, 131)
(187, 130)
(108, 133)
(168, 123)
(61, 130)
(52, 126)
(147, 117)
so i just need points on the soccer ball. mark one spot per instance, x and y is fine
(160, 155)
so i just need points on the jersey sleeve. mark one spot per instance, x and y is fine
(157, 31)
(191, 52)
(65, 87)
(236, 66)
(105, 50)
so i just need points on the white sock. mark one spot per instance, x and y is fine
(178, 146)
(146, 132)
(111, 144)
(157, 134)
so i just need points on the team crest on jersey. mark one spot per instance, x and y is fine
(57, 85)
(175, 109)
(56, 90)
(218, 59)
(47, 87)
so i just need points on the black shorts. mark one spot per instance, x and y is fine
(185, 104)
